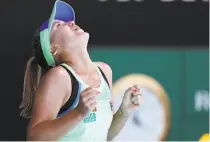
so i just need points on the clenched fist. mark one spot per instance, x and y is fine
(131, 100)
(87, 101)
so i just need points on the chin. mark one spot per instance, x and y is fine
(84, 37)
(84, 33)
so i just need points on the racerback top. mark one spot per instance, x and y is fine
(96, 125)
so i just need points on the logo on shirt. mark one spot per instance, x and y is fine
(90, 118)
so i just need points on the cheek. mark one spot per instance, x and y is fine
(68, 34)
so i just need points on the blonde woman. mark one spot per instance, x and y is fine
(73, 100)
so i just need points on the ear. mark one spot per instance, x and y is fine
(54, 49)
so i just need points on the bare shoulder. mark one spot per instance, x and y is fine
(105, 67)
(51, 94)
(56, 74)
(56, 80)
(107, 71)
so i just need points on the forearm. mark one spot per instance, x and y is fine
(54, 129)
(118, 122)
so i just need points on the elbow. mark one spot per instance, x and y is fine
(33, 134)
(30, 135)
(30, 138)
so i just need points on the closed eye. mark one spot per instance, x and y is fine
(58, 24)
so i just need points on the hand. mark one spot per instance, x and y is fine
(131, 100)
(87, 101)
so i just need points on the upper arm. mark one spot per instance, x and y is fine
(50, 95)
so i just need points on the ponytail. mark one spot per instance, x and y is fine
(31, 81)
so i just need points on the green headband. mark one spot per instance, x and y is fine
(61, 11)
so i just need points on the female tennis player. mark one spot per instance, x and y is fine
(72, 100)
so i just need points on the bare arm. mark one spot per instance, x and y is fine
(119, 120)
(52, 93)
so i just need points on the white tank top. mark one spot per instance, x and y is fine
(96, 125)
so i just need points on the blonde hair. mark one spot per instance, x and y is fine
(31, 82)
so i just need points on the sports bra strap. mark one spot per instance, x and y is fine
(104, 76)
(75, 87)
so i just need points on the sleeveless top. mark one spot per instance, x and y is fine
(96, 125)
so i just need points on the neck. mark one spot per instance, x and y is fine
(80, 62)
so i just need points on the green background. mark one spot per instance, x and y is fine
(180, 71)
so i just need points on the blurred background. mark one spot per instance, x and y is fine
(160, 44)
